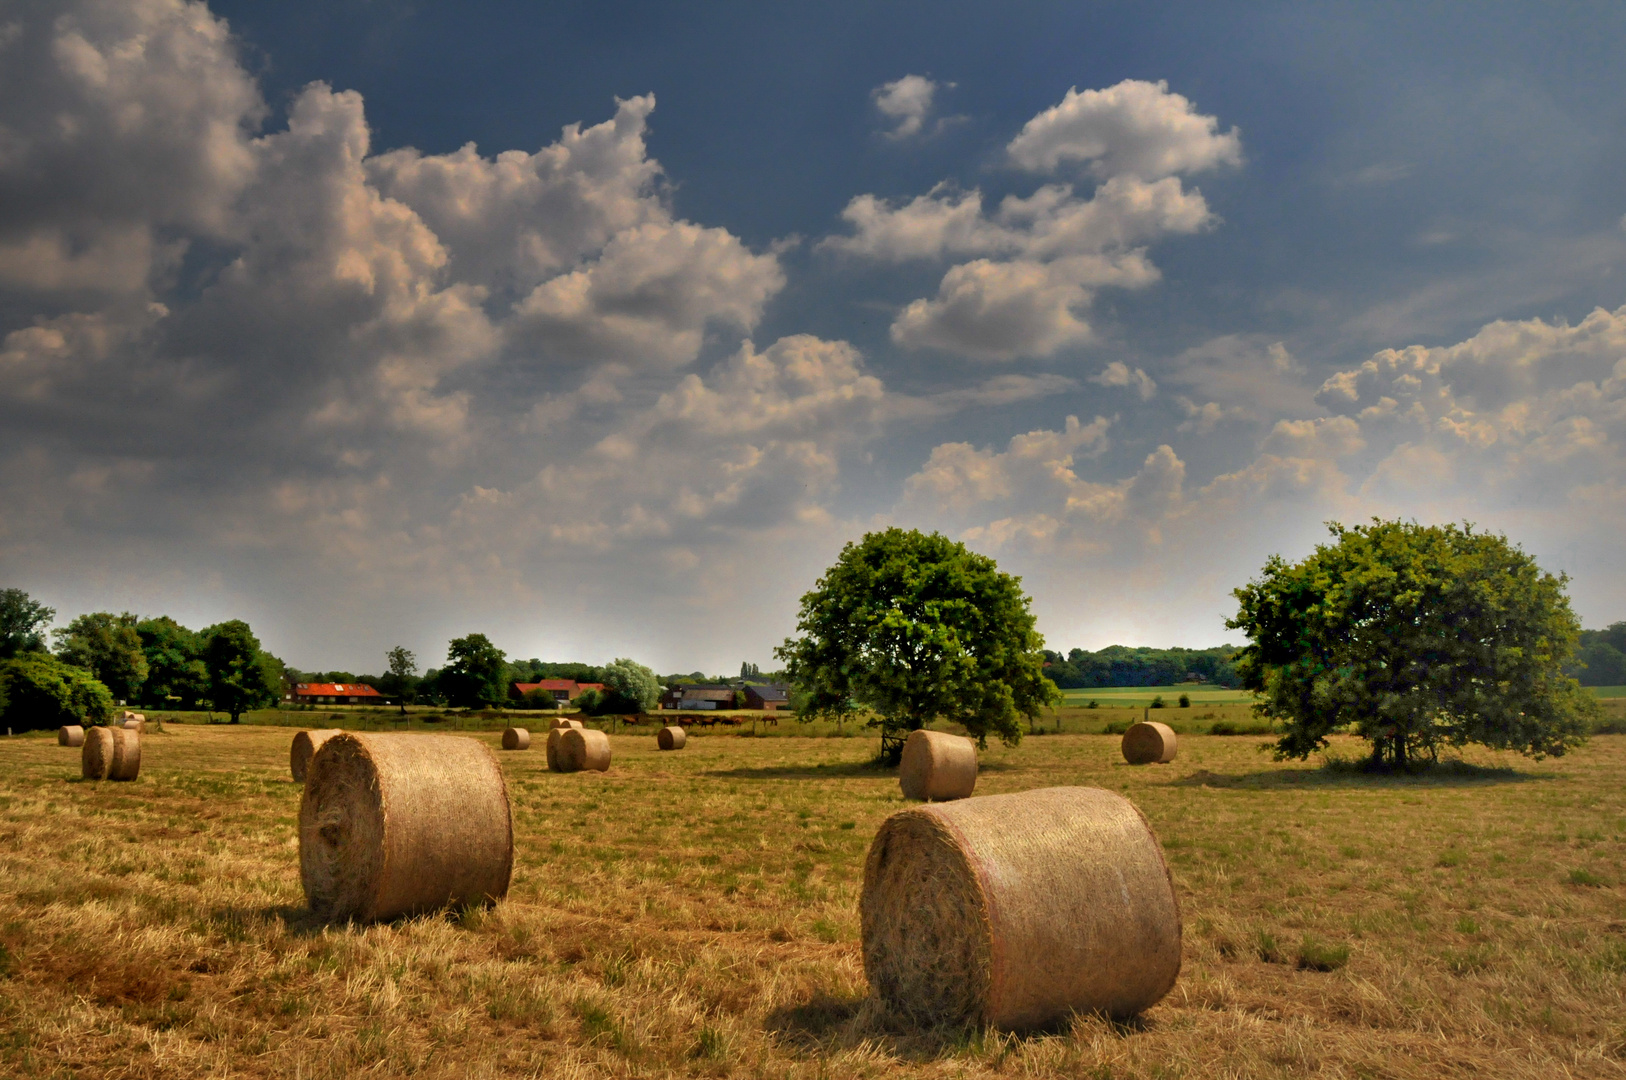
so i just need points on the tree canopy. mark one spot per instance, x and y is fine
(1600, 658)
(402, 677)
(632, 688)
(241, 675)
(175, 668)
(107, 646)
(1417, 637)
(39, 692)
(22, 623)
(475, 674)
(917, 627)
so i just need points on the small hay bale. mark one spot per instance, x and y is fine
(560, 723)
(304, 747)
(110, 753)
(1149, 743)
(583, 748)
(516, 738)
(937, 766)
(399, 824)
(671, 738)
(1019, 910)
(70, 735)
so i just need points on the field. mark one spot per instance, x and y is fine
(694, 914)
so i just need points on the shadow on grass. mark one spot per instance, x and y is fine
(1345, 773)
(833, 770)
(831, 1023)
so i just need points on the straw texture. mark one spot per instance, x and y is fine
(398, 824)
(1149, 744)
(937, 766)
(70, 735)
(516, 738)
(583, 748)
(560, 723)
(1018, 910)
(671, 737)
(304, 747)
(110, 753)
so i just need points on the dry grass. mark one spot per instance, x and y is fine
(695, 914)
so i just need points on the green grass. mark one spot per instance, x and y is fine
(1607, 691)
(1140, 696)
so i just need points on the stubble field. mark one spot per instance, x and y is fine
(695, 914)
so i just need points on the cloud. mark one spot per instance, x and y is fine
(906, 103)
(1118, 373)
(1135, 128)
(1036, 261)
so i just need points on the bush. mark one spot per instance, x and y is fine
(38, 692)
(1185, 701)
(1231, 727)
(539, 699)
(1157, 702)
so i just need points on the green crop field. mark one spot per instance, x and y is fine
(1608, 691)
(695, 914)
(1140, 696)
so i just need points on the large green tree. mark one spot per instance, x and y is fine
(39, 692)
(402, 676)
(175, 668)
(630, 688)
(917, 627)
(107, 646)
(242, 675)
(475, 674)
(1417, 637)
(22, 623)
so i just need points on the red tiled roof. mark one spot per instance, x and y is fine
(327, 689)
(566, 685)
(590, 686)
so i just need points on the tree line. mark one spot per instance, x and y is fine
(1121, 665)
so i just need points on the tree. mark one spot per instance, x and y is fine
(632, 687)
(22, 622)
(107, 646)
(39, 692)
(175, 668)
(1417, 636)
(403, 670)
(241, 675)
(474, 673)
(917, 627)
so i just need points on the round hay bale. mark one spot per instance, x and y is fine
(1019, 910)
(1149, 742)
(70, 735)
(304, 747)
(399, 824)
(583, 748)
(937, 766)
(97, 756)
(671, 738)
(554, 736)
(516, 738)
(110, 753)
(560, 723)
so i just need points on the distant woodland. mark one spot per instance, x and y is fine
(1120, 665)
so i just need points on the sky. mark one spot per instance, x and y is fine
(599, 328)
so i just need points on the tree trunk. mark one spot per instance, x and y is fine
(1400, 750)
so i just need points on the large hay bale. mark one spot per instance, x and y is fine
(1019, 910)
(1149, 743)
(671, 737)
(560, 723)
(304, 747)
(401, 824)
(554, 735)
(70, 735)
(583, 748)
(516, 738)
(110, 753)
(937, 766)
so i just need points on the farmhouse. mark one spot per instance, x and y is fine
(767, 697)
(698, 697)
(337, 694)
(563, 690)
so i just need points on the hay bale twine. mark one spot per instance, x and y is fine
(671, 737)
(1019, 910)
(400, 824)
(516, 738)
(304, 747)
(1149, 742)
(937, 766)
(583, 748)
(110, 753)
(70, 735)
